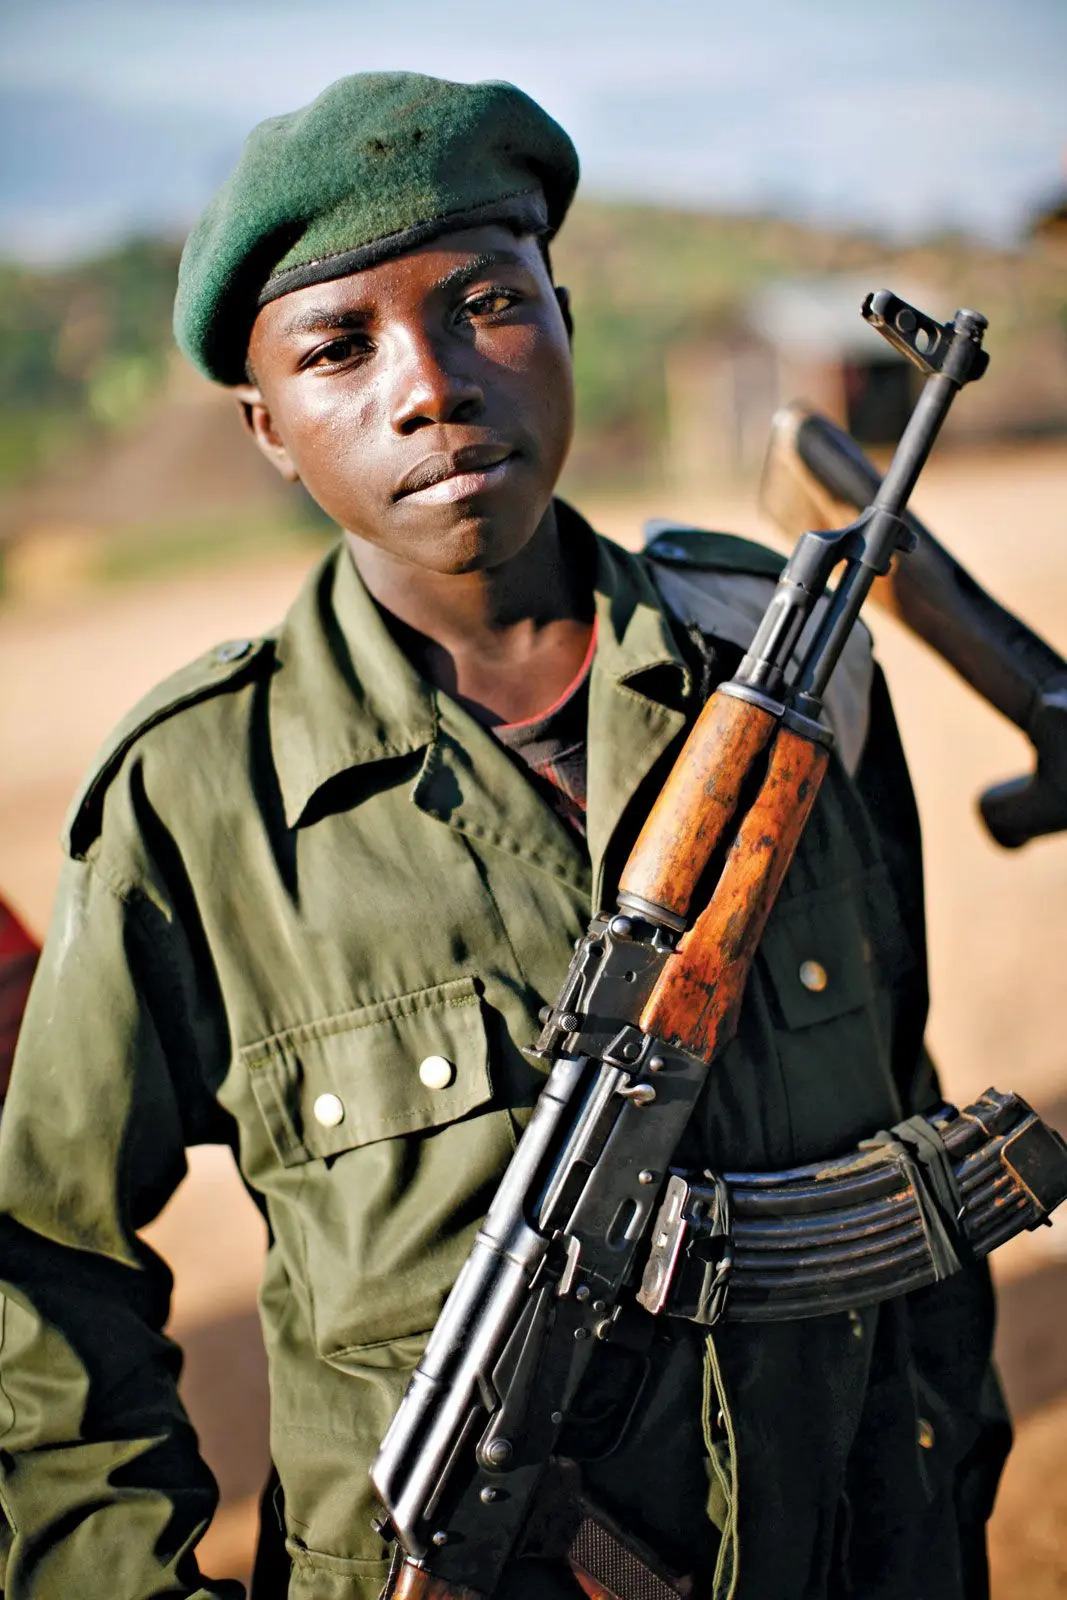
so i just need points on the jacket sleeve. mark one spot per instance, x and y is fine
(100, 1477)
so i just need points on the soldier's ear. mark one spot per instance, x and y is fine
(563, 298)
(257, 419)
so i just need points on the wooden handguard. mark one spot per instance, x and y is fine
(697, 803)
(695, 1003)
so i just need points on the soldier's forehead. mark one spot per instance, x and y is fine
(378, 165)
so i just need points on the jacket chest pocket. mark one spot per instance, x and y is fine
(382, 1122)
(381, 1071)
(829, 1002)
(819, 957)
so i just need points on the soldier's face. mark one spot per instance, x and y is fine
(425, 403)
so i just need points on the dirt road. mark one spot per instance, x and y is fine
(70, 666)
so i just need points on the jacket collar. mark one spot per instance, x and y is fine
(344, 695)
(638, 670)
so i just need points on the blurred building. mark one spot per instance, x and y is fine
(796, 338)
(182, 472)
(186, 453)
(1048, 228)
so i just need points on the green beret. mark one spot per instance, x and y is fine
(378, 164)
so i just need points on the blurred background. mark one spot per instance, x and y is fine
(749, 173)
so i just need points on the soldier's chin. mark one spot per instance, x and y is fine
(476, 545)
(469, 536)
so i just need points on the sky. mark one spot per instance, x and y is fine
(124, 115)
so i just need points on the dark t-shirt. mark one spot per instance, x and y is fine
(552, 746)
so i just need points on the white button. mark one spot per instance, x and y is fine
(329, 1110)
(813, 976)
(436, 1072)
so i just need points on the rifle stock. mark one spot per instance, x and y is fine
(814, 475)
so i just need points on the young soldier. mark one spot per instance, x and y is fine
(319, 885)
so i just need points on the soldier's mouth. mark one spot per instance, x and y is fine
(456, 474)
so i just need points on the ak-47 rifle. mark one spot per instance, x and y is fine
(813, 474)
(467, 1471)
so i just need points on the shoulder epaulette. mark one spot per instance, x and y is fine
(679, 545)
(219, 668)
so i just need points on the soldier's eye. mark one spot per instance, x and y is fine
(339, 350)
(491, 303)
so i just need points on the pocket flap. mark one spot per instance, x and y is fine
(818, 956)
(403, 1065)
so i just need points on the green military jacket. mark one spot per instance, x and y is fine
(297, 874)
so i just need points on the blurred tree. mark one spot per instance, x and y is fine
(81, 347)
(85, 347)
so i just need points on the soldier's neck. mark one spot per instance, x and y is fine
(506, 642)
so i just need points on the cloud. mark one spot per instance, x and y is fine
(87, 173)
(944, 111)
